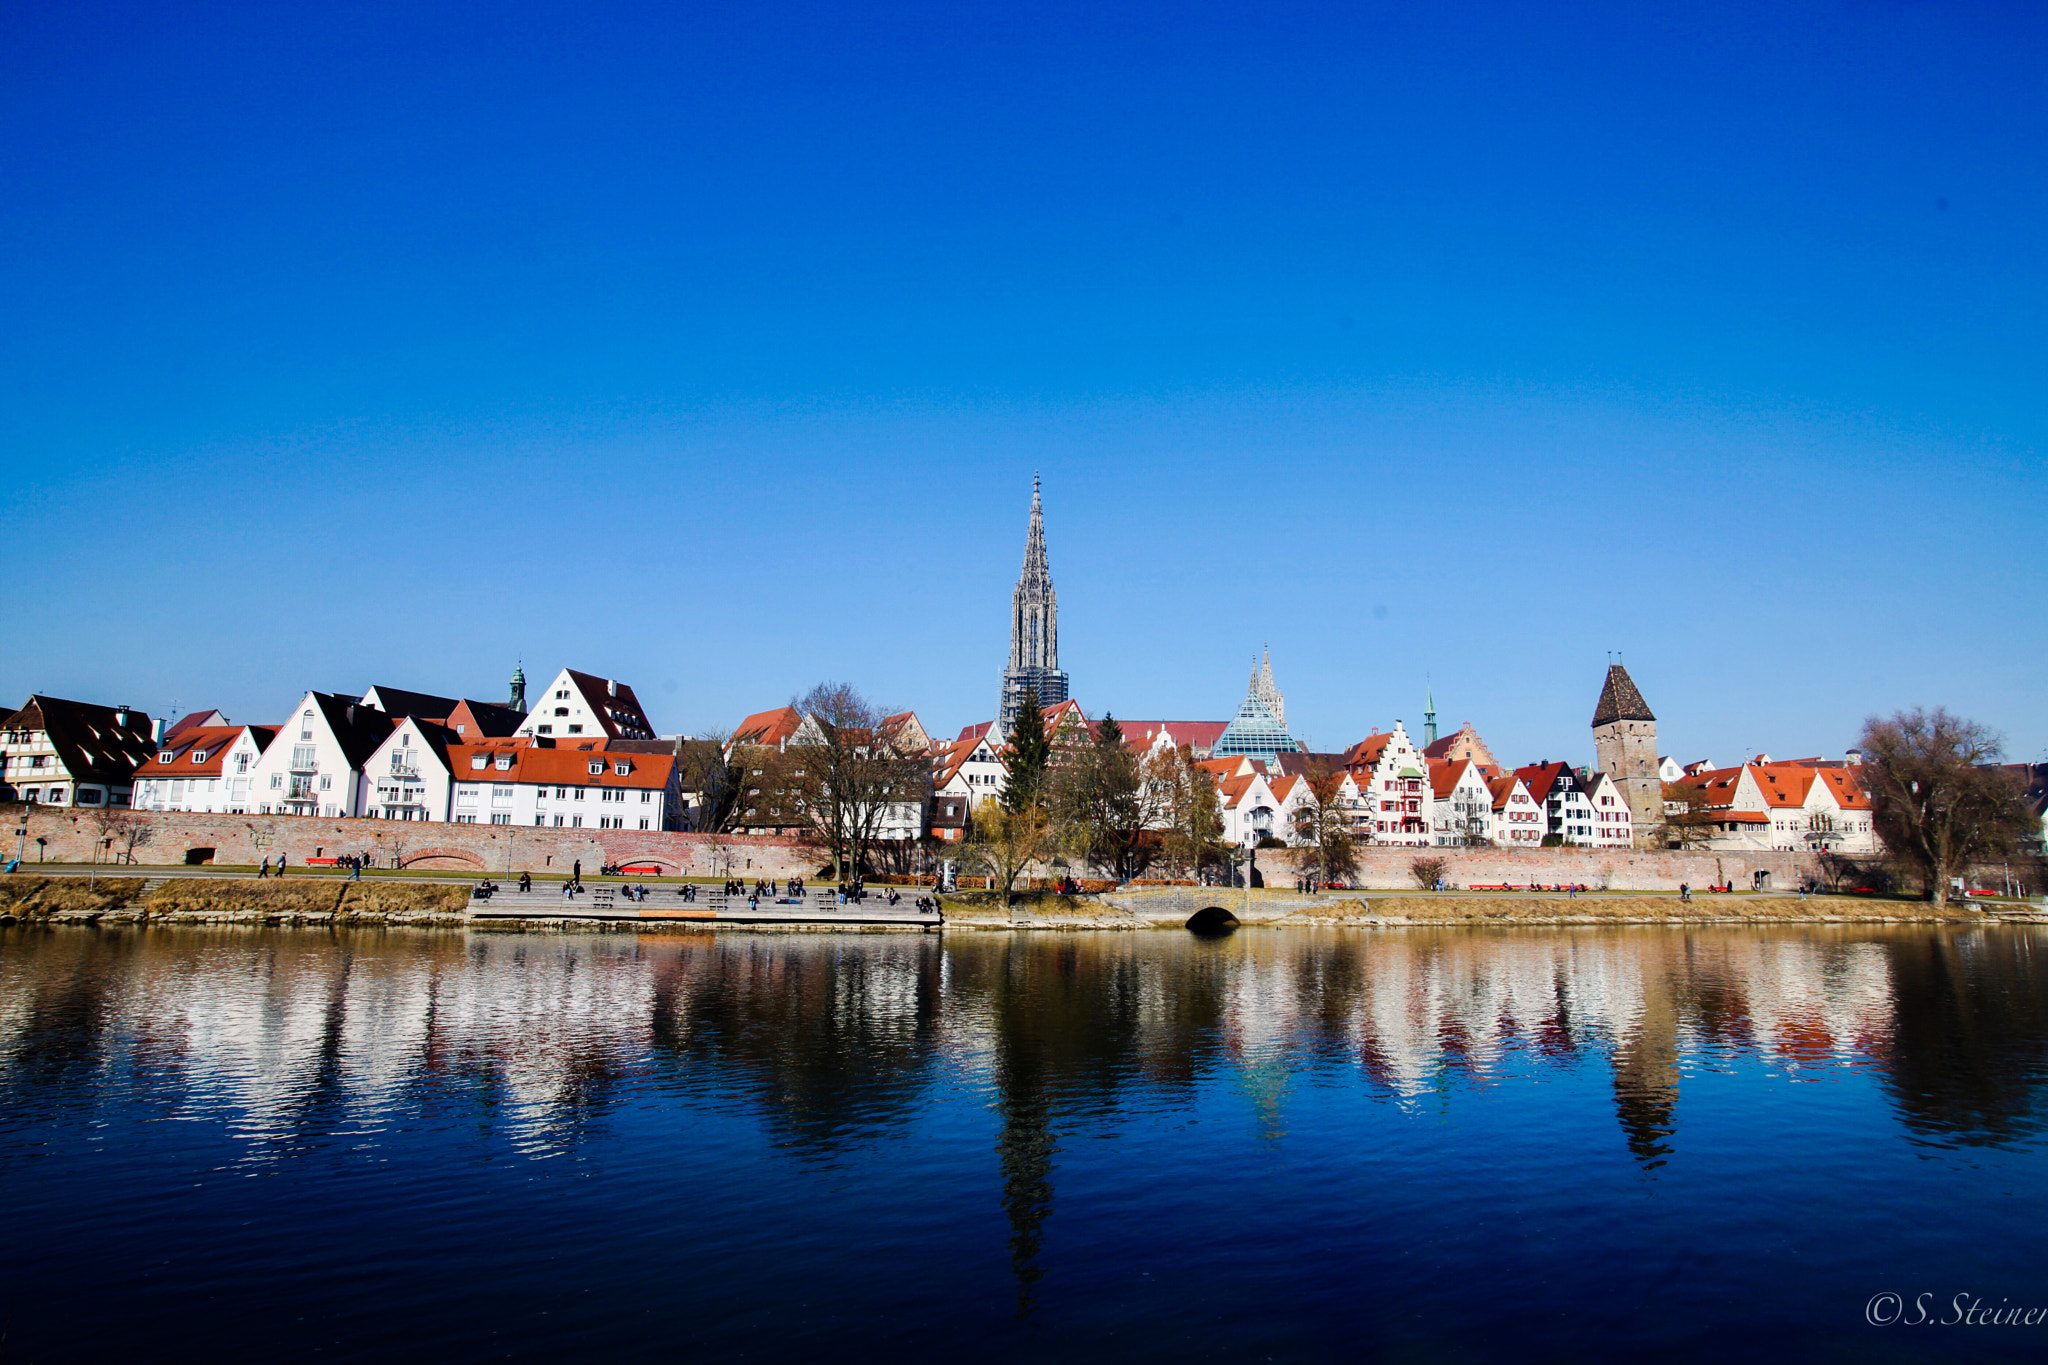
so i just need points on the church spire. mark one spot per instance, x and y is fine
(1428, 716)
(1034, 626)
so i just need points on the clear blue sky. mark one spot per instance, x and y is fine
(714, 347)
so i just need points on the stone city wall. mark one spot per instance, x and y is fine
(58, 834)
(1388, 868)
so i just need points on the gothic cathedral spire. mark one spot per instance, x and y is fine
(1034, 627)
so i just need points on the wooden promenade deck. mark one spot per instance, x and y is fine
(605, 903)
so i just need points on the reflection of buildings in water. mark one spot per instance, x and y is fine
(1646, 1074)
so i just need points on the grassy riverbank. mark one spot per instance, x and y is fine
(66, 900)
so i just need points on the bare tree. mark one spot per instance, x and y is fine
(1689, 817)
(1323, 825)
(714, 768)
(1095, 790)
(1428, 871)
(851, 773)
(1181, 802)
(1936, 800)
(122, 830)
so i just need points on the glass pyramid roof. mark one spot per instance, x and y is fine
(1255, 732)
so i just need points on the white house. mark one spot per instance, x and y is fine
(1517, 818)
(1561, 793)
(577, 705)
(1613, 823)
(1461, 804)
(969, 768)
(566, 787)
(408, 775)
(189, 772)
(315, 764)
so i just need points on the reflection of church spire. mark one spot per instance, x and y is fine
(1646, 1076)
(1025, 1149)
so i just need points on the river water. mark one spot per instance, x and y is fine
(1534, 1144)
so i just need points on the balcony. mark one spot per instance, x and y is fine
(404, 767)
(305, 765)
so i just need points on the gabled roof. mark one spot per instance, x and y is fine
(617, 709)
(194, 719)
(195, 751)
(95, 743)
(1784, 784)
(357, 727)
(768, 728)
(1539, 778)
(1444, 777)
(1619, 699)
(474, 719)
(1502, 789)
(396, 701)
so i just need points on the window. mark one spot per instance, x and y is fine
(164, 757)
(579, 793)
(561, 710)
(562, 695)
(504, 763)
(547, 729)
(596, 767)
(327, 782)
(465, 819)
(500, 795)
(575, 729)
(643, 824)
(501, 817)
(622, 769)
(465, 796)
(576, 822)
(199, 755)
(645, 797)
(276, 780)
(561, 793)
(558, 822)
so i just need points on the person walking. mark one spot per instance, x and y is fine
(355, 869)
(577, 875)
(280, 865)
(1684, 892)
(263, 872)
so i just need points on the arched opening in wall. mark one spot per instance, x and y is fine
(443, 857)
(198, 857)
(1211, 920)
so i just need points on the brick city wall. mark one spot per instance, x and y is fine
(1387, 869)
(68, 835)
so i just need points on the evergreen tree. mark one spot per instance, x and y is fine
(1030, 751)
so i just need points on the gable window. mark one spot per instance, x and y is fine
(575, 729)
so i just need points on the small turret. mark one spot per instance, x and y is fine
(518, 701)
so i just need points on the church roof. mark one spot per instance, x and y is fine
(1619, 699)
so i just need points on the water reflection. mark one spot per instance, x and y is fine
(828, 1042)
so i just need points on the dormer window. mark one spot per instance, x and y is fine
(622, 768)
(164, 757)
(596, 768)
(199, 755)
(477, 761)
(504, 763)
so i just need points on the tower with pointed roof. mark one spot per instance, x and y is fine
(1625, 744)
(1034, 628)
(1428, 716)
(518, 701)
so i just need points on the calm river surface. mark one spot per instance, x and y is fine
(1538, 1144)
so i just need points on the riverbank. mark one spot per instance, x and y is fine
(317, 901)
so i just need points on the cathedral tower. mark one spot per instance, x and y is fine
(1034, 628)
(1625, 744)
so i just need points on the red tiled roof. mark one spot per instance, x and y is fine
(185, 749)
(563, 767)
(768, 727)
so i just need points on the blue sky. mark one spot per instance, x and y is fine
(714, 348)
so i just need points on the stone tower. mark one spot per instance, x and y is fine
(1625, 744)
(518, 701)
(1034, 628)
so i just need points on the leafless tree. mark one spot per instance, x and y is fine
(1322, 825)
(1180, 801)
(1689, 817)
(851, 771)
(1006, 842)
(122, 830)
(1937, 800)
(1427, 871)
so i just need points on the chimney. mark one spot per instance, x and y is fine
(611, 687)
(120, 718)
(156, 732)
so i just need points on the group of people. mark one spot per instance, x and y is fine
(264, 870)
